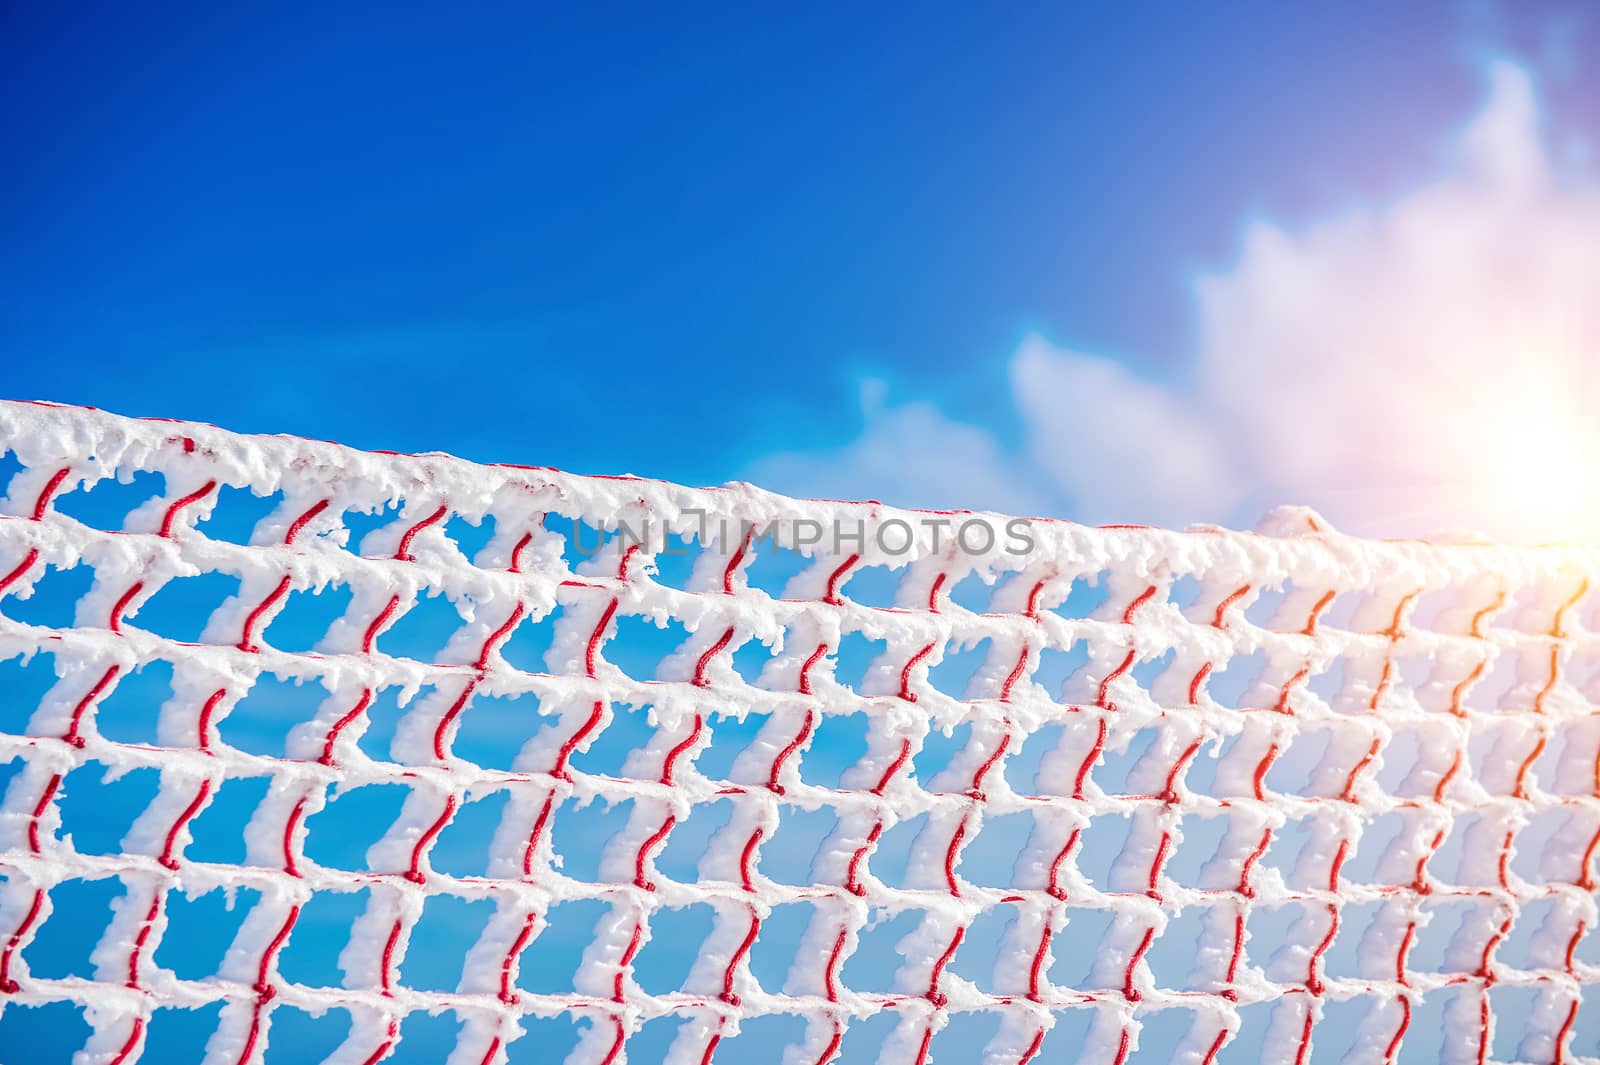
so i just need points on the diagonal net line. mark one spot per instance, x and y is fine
(1298, 686)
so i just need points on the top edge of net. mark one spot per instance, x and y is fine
(1313, 529)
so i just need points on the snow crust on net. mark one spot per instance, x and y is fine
(1369, 701)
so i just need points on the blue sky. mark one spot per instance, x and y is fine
(680, 245)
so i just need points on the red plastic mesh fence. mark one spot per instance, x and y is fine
(1286, 749)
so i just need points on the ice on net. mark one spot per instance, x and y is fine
(1298, 743)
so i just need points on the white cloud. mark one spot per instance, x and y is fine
(910, 455)
(1120, 448)
(1429, 362)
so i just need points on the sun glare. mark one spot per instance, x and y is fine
(1540, 475)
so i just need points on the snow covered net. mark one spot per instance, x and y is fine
(1111, 794)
